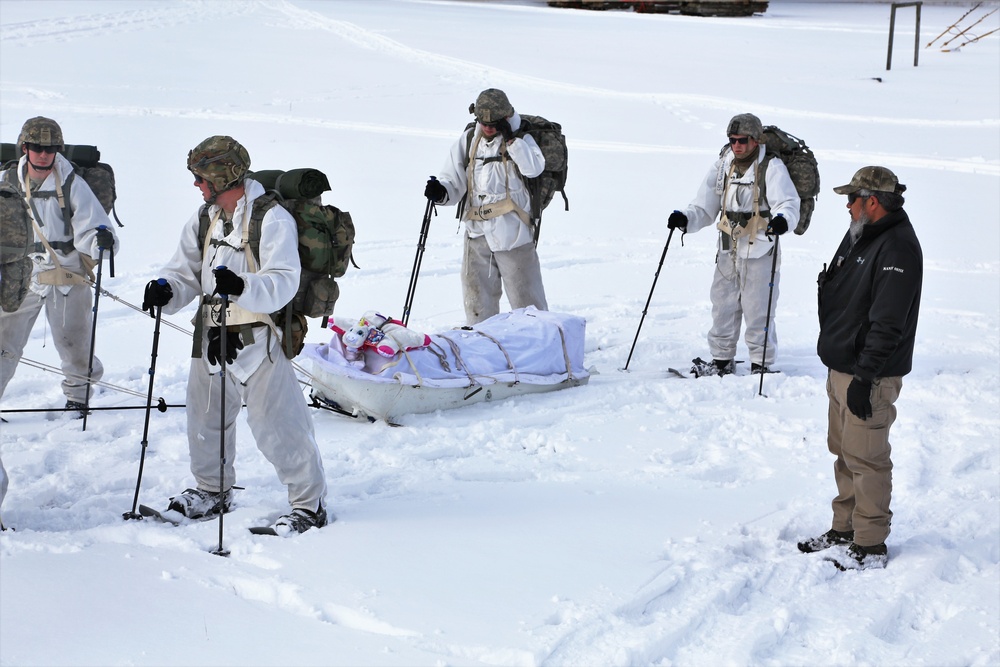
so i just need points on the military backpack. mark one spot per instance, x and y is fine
(326, 246)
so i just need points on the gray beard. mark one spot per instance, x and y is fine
(858, 226)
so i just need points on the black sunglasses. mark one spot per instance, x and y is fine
(739, 140)
(854, 196)
(38, 148)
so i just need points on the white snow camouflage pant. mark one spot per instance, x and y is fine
(279, 420)
(740, 290)
(486, 274)
(70, 320)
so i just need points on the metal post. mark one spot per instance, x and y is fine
(892, 32)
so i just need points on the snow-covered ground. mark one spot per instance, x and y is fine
(638, 520)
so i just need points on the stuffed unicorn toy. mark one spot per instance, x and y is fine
(374, 331)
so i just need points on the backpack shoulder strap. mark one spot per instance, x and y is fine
(761, 179)
(251, 233)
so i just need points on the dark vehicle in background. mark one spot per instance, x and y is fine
(685, 7)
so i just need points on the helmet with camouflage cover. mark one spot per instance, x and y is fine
(491, 106)
(746, 124)
(220, 160)
(42, 131)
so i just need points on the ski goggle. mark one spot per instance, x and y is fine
(38, 148)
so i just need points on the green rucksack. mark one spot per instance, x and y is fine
(326, 245)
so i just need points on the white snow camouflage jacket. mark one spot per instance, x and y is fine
(269, 289)
(782, 199)
(507, 231)
(88, 215)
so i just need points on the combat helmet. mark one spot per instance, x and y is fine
(491, 106)
(745, 124)
(42, 131)
(220, 160)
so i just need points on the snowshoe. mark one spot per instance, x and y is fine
(702, 368)
(299, 521)
(196, 503)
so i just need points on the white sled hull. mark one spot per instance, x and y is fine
(388, 402)
(525, 351)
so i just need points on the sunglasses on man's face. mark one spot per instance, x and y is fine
(38, 148)
(743, 141)
(853, 197)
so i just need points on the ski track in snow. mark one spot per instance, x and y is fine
(295, 17)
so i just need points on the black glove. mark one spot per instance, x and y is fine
(778, 225)
(859, 398)
(503, 127)
(677, 219)
(227, 282)
(105, 239)
(435, 191)
(233, 344)
(157, 294)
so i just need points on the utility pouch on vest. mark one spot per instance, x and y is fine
(211, 314)
(738, 225)
(62, 277)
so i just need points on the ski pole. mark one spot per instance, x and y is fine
(222, 419)
(767, 320)
(93, 332)
(655, 276)
(149, 406)
(424, 228)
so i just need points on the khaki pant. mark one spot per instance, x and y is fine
(70, 319)
(863, 469)
(485, 274)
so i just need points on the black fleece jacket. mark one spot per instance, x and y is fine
(869, 298)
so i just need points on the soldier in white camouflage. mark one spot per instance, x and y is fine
(484, 173)
(257, 370)
(52, 231)
(754, 200)
(66, 229)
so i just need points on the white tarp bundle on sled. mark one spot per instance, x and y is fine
(524, 351)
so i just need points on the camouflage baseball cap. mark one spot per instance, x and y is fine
(745, 124)
(491, 106)
(220, 160)
(873, 179)
(42, 131)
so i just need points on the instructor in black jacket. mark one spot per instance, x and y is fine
(869, 298)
